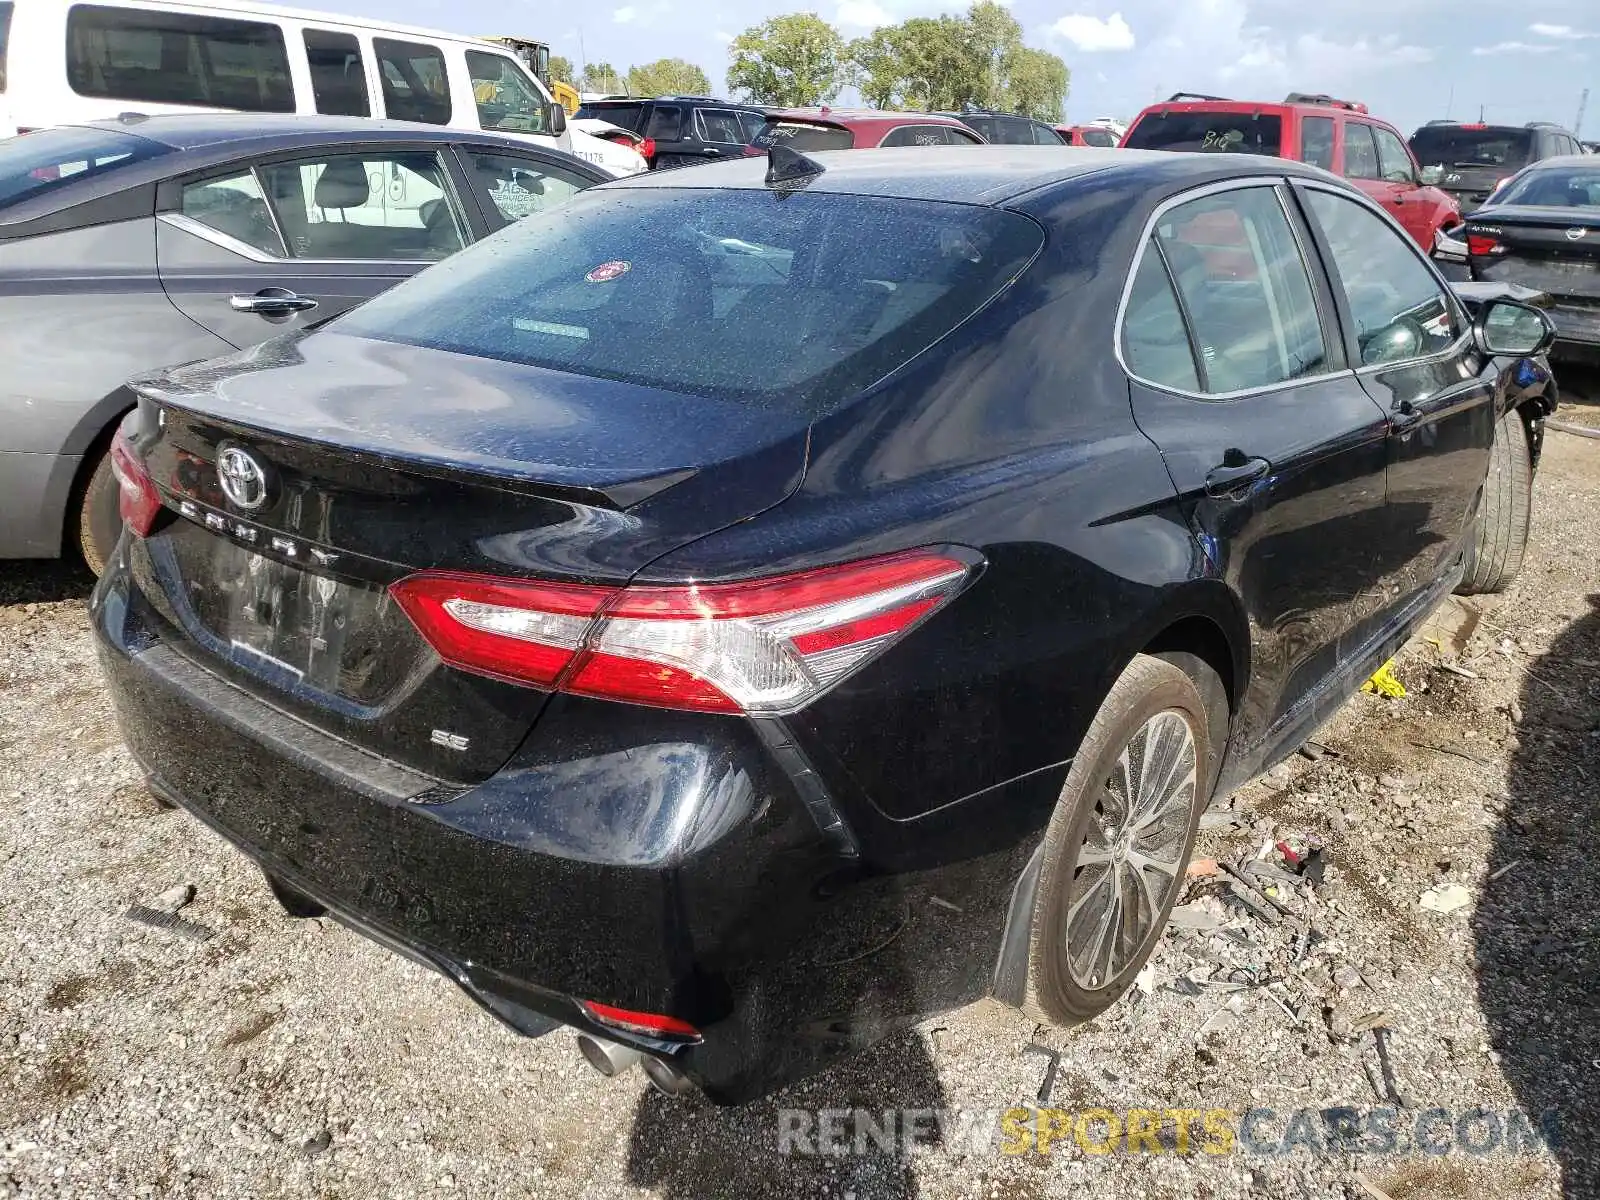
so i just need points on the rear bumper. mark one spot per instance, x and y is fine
(666, 863)
(1578, 328)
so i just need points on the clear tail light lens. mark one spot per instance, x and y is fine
(765, 646)
(137, 499)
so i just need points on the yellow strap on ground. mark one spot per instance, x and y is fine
(1384, 682)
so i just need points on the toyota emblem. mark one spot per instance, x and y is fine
(243, 478)
(1576, 234)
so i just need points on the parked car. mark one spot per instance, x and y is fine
(1542, 230)
(130, 245)
(681, 131)
(1087, 135)
(1336, 135)
(1471, 160)
(73, 62)
(643, 617)
(614, 133)
(1007, 129)
(808, 129)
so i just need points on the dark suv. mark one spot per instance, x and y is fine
(1008, 129)
(1475, 159)
(680, 131)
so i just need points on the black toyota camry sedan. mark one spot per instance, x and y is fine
(745, 611)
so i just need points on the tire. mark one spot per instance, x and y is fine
(99, 516)
(1499, 533)
(1067, 982)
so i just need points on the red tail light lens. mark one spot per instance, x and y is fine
(765, 646)
(1480, 245)
(648, 1024)
(138, 500)
(647, 148)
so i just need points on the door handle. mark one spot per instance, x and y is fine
(272, 302)
(1404, 416)
(1234, 474)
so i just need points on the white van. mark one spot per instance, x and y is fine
(62, 62)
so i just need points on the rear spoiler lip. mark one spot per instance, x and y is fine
(616, 495)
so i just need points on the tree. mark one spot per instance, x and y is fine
(561, 68)
(602, 77)
(668, 77)
(1036, 83)
(795, 61)
(993, 37)
(875, 68)
(940, 63)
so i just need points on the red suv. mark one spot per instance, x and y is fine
(1337, 135)
(806, 129)
(1087, 135)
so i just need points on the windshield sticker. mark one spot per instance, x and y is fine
(607, 271)
(1224, 140)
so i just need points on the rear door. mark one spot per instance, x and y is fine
(510, 185)
(1415, 358)
(1361, 165)
(720, 132)
(255, 249)
(1277, 452)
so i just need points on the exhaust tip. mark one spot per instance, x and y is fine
(665, 1077)
(606, 1057)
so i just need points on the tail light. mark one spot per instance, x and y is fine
(646, 1024)
(647, 148)
(1481, 245)
(764, 646)
(137, 500)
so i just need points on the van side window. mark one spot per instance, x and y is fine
(176, 58)
(416, 86)
(338, 76)
(507, 99)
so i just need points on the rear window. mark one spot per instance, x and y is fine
(36, 163)
(801, 136)
(176, 58)
(5, 33)
(1207, 132)
(623, 116)
(1099, 137)
(1555, 187)
(1455, 146)
(794, 302)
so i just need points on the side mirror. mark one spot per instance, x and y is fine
(1431, 176)
(557, 118)
(1507, 327)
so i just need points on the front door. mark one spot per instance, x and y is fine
(1410, 341)
(253, 251)
(1277, 452)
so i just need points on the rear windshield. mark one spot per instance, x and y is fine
(1555, 187)
(5, 33)
(794, 301)
(624, 116)
(798, 135)
(1504, 150)
(1210, 132)
(1099, 137)
(36, 163)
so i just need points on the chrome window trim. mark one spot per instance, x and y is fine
(245, 250)
(1243, 182)
(1360, 198)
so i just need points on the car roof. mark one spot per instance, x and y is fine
(858, 116)
(984, 175)
(197, 131)
(250, 8)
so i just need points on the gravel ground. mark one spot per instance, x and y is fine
(290, 1058)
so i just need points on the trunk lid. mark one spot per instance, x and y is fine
(375, 460)
(1550, 249)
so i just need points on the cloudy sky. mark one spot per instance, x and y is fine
(1409, 60)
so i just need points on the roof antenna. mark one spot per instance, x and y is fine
(789, 170)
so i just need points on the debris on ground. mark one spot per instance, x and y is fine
(170, 923)
(1445, 898)
(173, 899)
(1385, 682)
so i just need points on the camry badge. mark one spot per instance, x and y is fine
(243, 478)
(1576, 234)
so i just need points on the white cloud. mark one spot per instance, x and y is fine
(1514, 48)
(625, 14)
(1091, 35)
(723, 36)
(1566, 32)
(862, 14)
